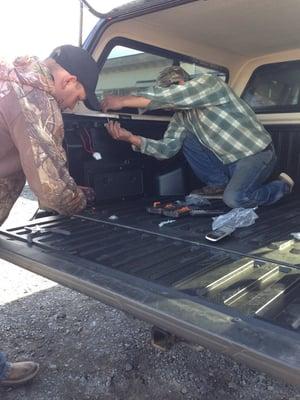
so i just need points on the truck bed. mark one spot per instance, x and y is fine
(240, 295)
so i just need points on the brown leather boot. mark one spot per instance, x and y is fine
(20, 372)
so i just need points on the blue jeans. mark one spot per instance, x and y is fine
(4, 366)
(244, 179)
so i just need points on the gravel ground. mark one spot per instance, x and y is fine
(88, 350)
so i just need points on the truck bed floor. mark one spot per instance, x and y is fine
(255, 271)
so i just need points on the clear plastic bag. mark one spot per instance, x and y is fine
(236, 218)
(296, 235)
(196, 200)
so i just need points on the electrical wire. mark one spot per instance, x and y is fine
(87, 145)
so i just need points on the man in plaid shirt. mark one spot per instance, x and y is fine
(226, 146)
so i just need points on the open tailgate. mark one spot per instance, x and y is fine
(156, 277)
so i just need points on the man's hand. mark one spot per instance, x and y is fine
(112, 103)
(118, 133)
(89, 194)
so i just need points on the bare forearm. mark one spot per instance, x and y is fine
(135, 141)
(119, 102)
(118, 133)
(135, 101)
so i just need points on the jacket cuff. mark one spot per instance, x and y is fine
(143, 146)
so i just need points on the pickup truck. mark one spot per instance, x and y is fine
(239, 295)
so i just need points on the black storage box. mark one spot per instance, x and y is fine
(118, 184)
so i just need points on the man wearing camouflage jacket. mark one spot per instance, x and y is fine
(32, 96)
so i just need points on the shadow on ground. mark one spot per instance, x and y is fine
(88, 350)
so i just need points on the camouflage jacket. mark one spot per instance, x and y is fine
(31, 134)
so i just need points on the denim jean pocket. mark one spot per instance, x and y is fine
(269, 155)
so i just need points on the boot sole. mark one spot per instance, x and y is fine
(20, 381)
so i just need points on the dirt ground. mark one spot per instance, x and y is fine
(88, 350)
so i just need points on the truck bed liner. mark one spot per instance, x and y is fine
(245, 271)
(98, 256)
(269, 238)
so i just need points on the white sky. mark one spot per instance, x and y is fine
(36, 27)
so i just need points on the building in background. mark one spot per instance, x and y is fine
(128, 71)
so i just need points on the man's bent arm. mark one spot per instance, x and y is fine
(203, 91)
(38, 134)
(161, 149)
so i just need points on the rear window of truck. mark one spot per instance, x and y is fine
(129, 67)
(274, 88)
